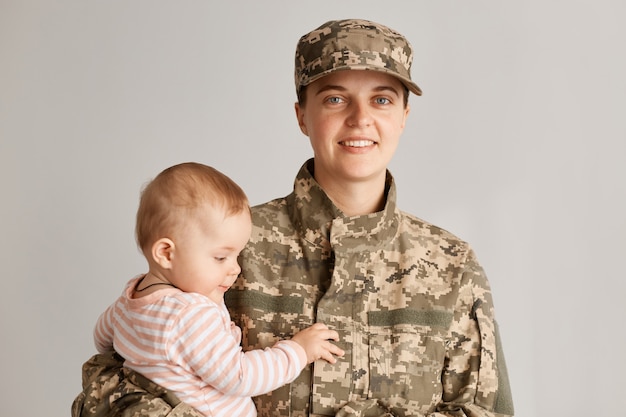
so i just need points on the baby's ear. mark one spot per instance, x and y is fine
(163, 252)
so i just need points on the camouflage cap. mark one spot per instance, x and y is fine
(353, 44)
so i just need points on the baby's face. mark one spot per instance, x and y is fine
(205, 256)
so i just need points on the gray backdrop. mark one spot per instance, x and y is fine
(517, 145)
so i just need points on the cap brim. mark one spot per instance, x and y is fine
(404, 80)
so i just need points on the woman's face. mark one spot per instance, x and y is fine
(354, 120)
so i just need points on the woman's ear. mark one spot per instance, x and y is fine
(163, 252)
(407, 110)
(300, 117)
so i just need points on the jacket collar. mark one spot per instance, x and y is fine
(321, 223)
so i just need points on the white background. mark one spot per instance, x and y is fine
(517, 145)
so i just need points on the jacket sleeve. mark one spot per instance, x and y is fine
(111, 390)
(474, 377)
(475, 380)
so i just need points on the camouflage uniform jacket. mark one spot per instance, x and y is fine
(111, 390)
(411, 304)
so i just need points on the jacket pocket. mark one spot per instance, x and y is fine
(406, 358)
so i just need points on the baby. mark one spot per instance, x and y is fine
(171, 325)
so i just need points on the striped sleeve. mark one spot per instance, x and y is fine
(103, 331)
(202, 339)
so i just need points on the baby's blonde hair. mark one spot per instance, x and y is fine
(177, 193)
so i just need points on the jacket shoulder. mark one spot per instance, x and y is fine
(430, 232)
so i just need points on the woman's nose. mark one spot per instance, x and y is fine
(359, 115)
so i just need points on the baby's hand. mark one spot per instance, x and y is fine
(316, 343)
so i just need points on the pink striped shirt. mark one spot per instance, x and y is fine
(187, 343)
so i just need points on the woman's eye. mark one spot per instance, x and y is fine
(220, 258)
(382, 100)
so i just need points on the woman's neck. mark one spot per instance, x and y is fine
(355, 199)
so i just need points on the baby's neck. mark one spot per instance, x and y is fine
(150, 283)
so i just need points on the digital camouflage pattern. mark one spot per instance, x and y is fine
(353, 44)
(411, 304)
(110, 390)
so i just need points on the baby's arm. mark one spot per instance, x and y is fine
(103, 331)
(235, 331)
(315, 341)
(200, 340)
